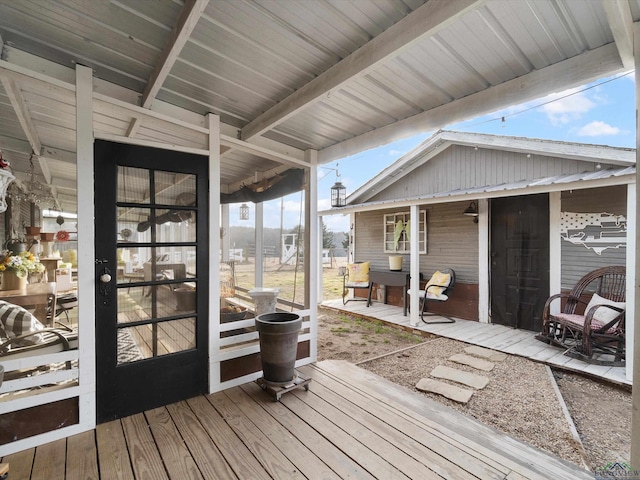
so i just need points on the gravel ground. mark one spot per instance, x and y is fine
(519, 400)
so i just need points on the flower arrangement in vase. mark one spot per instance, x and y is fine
(16, 267)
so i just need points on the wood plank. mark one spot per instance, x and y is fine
(344, 466)
(368, 459)
(203, 449)
(20, 463)
(486, 442)
(176, 457)
(49, 461)
(143, 452)
(303, 457)
(390, 443)
(516, 337)
(445, 457)
(82, 457)
(239, 457)
(112, 452)
(274, 461)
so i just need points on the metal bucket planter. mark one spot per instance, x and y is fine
(278, 346)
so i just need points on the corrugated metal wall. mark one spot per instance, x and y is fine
(577, 260)
(465, 167)
(452, 241)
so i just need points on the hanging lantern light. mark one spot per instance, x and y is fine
(244, 212)
(338, 194)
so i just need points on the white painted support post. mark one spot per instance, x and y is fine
(86, 250)
(259, 241)
(313, 241)
(631, 275)
(351, 254)
(555, 248)
(224, 241)
(634, 356)
(414, 265)
(213, 122)
(484, 256)
(320, 281)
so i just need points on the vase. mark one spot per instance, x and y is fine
(395, 263)
(278, 334)
(10, 281)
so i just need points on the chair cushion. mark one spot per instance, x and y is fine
(16, 320)
(358, 274)
(574, 320)
(438, 282)
(430, 296)
(604, 315)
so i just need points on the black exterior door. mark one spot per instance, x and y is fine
(151, 270)
(519, 260)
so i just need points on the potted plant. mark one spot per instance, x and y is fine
(16, 268)
(395, 261)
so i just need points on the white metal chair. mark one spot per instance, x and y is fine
(436, 290)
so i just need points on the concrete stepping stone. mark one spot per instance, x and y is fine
(457, 394)
(474, 362)
(486, 353)
(466, 378)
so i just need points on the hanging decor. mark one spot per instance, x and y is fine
(244, 212)
(338, 195)
(6, 177)
(282, 184)
(338, 191)
(62, 236)
(31, 190)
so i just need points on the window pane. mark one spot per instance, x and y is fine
(133, 225)
(156, 339)
(133, 185)
(175, 226)
(175, 189)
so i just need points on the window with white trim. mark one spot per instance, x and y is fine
(397, 232)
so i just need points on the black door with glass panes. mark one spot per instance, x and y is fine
(151, 277)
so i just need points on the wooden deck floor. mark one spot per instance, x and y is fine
(497, 337)
(350, 424)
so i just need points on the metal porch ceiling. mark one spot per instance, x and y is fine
(337, 76)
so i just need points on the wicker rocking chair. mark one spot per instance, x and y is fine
(597, 335)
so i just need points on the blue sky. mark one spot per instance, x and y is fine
(602, 112)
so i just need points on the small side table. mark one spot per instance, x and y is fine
(390, 279)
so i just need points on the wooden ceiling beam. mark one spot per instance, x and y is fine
(191, 12)
(425, 21)
(231, 142)
(621, 23)
(576, 71)
(22, 111)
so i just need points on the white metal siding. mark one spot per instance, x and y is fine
(460, 167)
(452, 241)
(577, 260)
